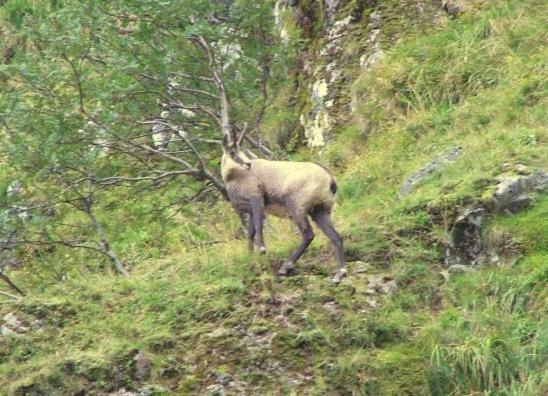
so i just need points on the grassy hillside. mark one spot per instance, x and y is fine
(212, 318)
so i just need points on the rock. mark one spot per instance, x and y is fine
(151, 390)
(368, 60)
(14, 189)
(319, 90)
(511, 191)
(511, 194)
(375, 20)
(20, 211)
(332, 307)
(215, 390)
(373, 302)
(390, 287)
(459, 269)
(12, 325)
(522, 169)
(331, 9)
(453, 7)
(223, 378)
(434, 165)
(382, 284)
(359, 267)
(122, 392)
(520, 203)
(465, 240)
(143, 365)
(444, 276)
(259, 342)
(219, 332)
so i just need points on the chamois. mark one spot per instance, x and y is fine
(284, 189)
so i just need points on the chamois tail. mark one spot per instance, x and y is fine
(333, 186)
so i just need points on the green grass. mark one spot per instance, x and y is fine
(204, 308)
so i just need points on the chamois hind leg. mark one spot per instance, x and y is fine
(250, 233)
(322, 217)
(307, 234)
(257, 216)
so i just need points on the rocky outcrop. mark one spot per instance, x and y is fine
(465, 244)
(318, 121)
(436, 164)
(511, 193)
(325, 64)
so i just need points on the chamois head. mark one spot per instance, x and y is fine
(234, 159)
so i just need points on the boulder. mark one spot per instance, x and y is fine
(465, 240)
(512, 192)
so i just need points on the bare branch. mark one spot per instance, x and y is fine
(195, 77)
(116, 179)
(11, 284)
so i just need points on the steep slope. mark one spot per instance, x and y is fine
(440, 124)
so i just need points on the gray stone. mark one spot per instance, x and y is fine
(215, 390)
(382, 284)
(390, 287)
(511, 194)
(434, 165)
(375, 20)
(522, 169)
(359, 267)
(465, 242)
(259, 342)
(520, 203)
(453, 7)
(458, 269)
(143, 365)
(511, 191)
(12, 325)
(122, 392)
(223, 378)
(219, 332)
(14, 188)
(444, 275)
(373, 302)
(368, 60)
(332, 307)
(331, 9)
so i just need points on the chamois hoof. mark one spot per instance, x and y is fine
(286, 269)
(262, 250)
(338, 276)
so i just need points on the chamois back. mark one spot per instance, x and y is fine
(286, 186)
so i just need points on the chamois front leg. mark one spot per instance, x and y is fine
(307, 235)
(257, 217)
(250, 233)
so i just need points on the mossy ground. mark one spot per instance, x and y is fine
(206, 310)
